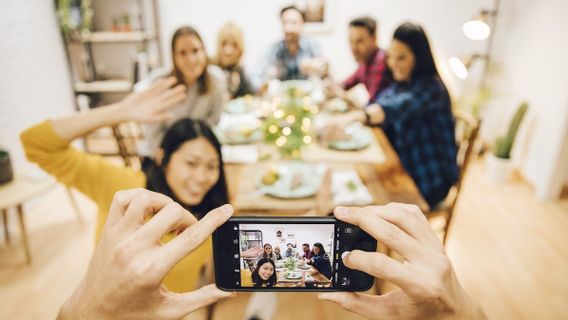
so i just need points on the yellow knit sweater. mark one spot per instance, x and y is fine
(100, 180)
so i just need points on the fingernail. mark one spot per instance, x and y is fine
(344, 254)
(323, 296)
(341, 210)
(227, 209)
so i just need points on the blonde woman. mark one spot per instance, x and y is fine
(230, 47)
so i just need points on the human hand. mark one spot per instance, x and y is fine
(314, 66)
(334, 129)
(429, 288)
(252, 252)
(124, 279)
(333, 90)
(152, 105)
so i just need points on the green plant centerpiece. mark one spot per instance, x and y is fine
(289, 265)
(504, 144)
(289, 123)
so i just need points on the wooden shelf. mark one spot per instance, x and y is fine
(109, 36)
(116, 85)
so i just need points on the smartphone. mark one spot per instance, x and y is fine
(288, 254)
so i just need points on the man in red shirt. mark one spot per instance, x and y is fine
(371, 59)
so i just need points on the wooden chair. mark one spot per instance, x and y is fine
(467, 129)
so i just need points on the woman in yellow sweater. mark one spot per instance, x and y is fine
(188, 168)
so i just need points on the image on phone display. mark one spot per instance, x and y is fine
(287, 255)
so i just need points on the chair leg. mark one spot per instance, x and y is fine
(24, 233)
(75, 206)
(6, 231)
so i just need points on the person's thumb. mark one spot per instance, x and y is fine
(188, 302)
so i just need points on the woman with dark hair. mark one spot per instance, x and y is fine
(320, 260)
(188, 168)
(416, 114)
(205, 87)
(265, 273)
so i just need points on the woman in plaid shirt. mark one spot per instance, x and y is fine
(415, 113)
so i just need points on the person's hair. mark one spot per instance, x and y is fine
(257, 280)
(289, 244)
(321, 249)
(293, 7)
(180, 132)
(306, 244)
(415, 38)
(229, 30)
(204, 81)
(365, 22)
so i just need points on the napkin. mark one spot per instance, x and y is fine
(239, 153)
(348, 189)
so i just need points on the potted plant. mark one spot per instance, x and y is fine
(6, 172)
(499, 165)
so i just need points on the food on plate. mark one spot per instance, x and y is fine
(351, 186)
(297, 180)
(270, 176)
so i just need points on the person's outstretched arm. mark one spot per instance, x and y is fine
(124, 279)
(429, 288)
(147, 106)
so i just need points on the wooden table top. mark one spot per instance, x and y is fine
(23, 188)
(387, 181)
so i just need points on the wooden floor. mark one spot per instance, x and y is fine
(510, 251)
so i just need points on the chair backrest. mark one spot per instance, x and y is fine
(250, 264)
(467, 129)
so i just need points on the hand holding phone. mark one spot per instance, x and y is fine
(428, 284)
(288, 254)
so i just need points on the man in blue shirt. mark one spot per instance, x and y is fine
(294, 57)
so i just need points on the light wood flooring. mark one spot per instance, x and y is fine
(510, 251)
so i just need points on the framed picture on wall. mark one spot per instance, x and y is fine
(319, 14)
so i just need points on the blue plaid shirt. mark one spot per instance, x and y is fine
(419, 124)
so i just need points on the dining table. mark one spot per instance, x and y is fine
(378, 167)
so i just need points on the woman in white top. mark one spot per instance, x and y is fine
(206, 87)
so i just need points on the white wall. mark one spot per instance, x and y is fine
(531, 64)
(261, 25)
(302, 234)
(34, 80)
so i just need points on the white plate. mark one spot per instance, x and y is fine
(240, 134)
(311, 180)
(242, 105)
(360, 139)
(238, 129)
(294, 275)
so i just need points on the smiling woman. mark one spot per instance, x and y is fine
(205, 87)
(189, 167)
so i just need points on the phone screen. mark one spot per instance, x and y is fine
(295, 254)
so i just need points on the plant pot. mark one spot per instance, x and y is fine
(498, 169)
(6, 173)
